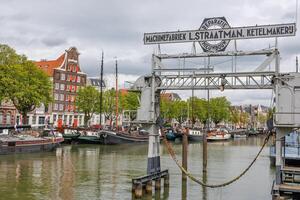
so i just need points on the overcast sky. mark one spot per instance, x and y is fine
(43, 29)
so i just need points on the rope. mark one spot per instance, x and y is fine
(188, 174)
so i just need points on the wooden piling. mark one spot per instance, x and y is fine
(138, 192)
(166, 181)
(149, 187)
(157, 184)
(204, 156)
(184, 151)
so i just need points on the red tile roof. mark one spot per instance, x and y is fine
(49, 65)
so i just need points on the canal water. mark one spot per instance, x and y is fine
(105, 172)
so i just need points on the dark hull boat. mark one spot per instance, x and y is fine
(111, 137)
(28, 144)
(88, 137)
(193, 136)
(70, 135)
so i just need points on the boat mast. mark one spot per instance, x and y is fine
(117, 96)
(101, 90)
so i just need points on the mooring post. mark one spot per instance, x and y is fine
(183, 189)
(166, 180)
(184, 151)
(149, 187)
(157, 184)
(153, 164)
(138, 192)
(204, 167)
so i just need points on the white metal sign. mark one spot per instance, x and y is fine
(224, 34)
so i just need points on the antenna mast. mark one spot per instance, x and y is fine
(101, 90)
(117, 96)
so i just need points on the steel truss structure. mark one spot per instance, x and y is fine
(187, 79)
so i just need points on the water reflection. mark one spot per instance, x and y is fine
(105, 172)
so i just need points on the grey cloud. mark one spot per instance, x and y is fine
(52, 41)
(46, 29)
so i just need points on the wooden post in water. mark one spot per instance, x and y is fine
(138, 192)
(157, 184)
(204, 152)
(184, 151)
(149, 187)
(166, 181)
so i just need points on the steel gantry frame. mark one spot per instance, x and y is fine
(164, 78)
(242, 80)
(194, 78)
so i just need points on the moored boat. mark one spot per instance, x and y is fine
(26, 142)
(218, 135)
(195, 135)
(113, 137)
(70, 135)
(88, 137)
(170, 135)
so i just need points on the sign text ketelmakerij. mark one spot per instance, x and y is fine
(235, 33)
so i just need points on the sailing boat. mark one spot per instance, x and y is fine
(132, 135)
(92, 136)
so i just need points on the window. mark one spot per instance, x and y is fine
(63, 77)
(41, 120)
(78, 79)
(8, 118)
(54, 118)
(55, 106)
(65, 119)
(68, 77)
(73, 88)
(55, 96)
(62, 86)
(57, 86)
(57, 75)
(33, 119)
(62, 97)
(70, 120)
(61, 106)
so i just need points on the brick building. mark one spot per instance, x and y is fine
(67, 78)
(7, 113)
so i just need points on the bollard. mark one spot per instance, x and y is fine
(157, 184)
(184, 151)
(133, 187)
(149, 187)
(138, 190)
(166, 181)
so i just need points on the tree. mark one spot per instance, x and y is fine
(8, 61)
(235, 116)
(109, 104)
(88, 102)
(33, 88)
(22, 82)
(129, 101)
(219, 109)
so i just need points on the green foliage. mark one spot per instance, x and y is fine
(88, 102)
(219, 109)
(129, 101)
(9, 60)
(22, 82)
(109, 103)
(198, 108)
